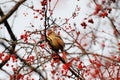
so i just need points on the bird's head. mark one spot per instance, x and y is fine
(50, 31)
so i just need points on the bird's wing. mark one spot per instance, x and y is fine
(53, 41)
(58, 36)
(60, 42)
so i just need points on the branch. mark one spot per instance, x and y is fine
(114, 27)
(46, 7)
(8, 27)
(12, 37)
(5, 17)
(32, 68)
(71, 70)
(3, 44)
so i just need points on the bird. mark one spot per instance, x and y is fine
(55, 41)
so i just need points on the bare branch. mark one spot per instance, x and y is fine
(3, 18)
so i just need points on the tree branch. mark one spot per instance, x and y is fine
(12, 37)
(32, 68)
(8, 27)
(5, 17)
(114, 27)
(71, 70)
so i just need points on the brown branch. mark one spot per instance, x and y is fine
(12, 37)
(32, 68)
(114, 27)
(45, 24)
(105, 57)
(8, 27)
(71, 69)
(5, 17)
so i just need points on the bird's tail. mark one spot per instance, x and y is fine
(64, 55)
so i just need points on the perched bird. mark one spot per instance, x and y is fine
(55, 41)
